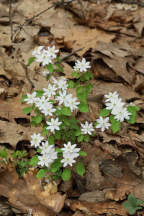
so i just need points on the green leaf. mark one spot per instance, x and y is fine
(30, 61)
(71, 84)
(105, 112)
(57, 135)
(139, 202)
(86, 76)
(39, 150)
(18, 154)
(59, 150)
(3, 153)
(23, 98)
(76, 74)
(39, 93)
(38, 119)
(58, 59)
(51, 140)
(41, 173)
(86, 138)
(50, 68)
(65, 111)
(133, 110)
(27, 110)
(59, 68)
(80, 169)
(45, 131)
(95, 124)
(56, 165)
(66, 121)
(78, 132)
(82, 153)
(58, 112)
(80, 138)
(66, 174)
(83, 107)
(83, 91)
(34, 160)
(132, 205)
(115, 125)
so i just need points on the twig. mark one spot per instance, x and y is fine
(27, 75)
(71, 54)
(54, 5)
(10, 18)
(139, 3)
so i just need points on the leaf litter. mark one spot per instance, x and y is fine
(111, 37)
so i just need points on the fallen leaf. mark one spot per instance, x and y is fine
(97, 207)
(27, 193)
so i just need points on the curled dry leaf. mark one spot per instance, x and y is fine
(25, 194)
(97, 207)
(12, 133)
(100, 88)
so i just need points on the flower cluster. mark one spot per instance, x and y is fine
(70, 152)
(118, 111)
(117, 106)
(54, 97)
(54, 105)
(45, 56)
(49, 154)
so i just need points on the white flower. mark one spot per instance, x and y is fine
(68, 159)
(115, 103)
(36, 139)
(62, 84)
(48, 149)
(52, 52)
(45, 73)
(48, 154)
(111, 96)
(48, 109)
(87, 128)
(53, 124)
(44, 160)
(30, 98)
(71, 102)
(61, 97)
(82, 65)
(41, 102)
(37, 51)
(69, 148)
(103, 123)
(70, 152)
(121, 113)
(50, 91)
(44, 58)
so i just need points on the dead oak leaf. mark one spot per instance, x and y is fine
(117, 58)
(27, 193)
(12, 133)
(97, 207)
(12, 109)
(100, 88)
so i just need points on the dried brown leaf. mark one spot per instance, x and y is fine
(27, 193)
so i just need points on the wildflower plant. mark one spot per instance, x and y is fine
(132, 204)
(57, 148)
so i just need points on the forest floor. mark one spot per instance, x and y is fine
(111, 36)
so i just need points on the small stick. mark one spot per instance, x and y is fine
(55, 5)
(139, 3)
(10, 18)
(71, 54)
